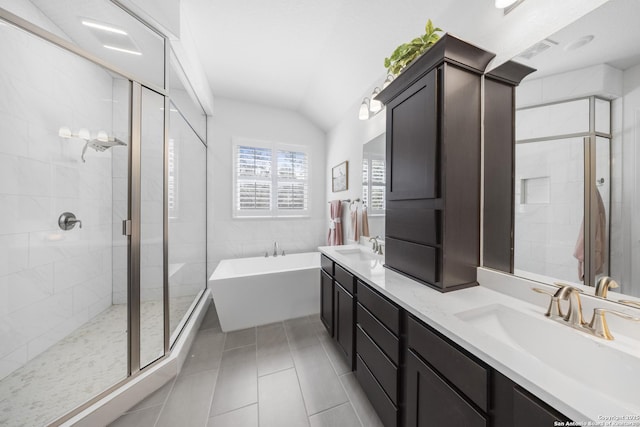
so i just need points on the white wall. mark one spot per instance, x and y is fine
(233, 238)
(51, 281)
(344, 142)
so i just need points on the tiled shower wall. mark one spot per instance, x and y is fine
(51, 281)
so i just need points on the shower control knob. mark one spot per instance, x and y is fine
(67, 221)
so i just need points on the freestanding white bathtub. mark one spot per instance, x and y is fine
(256, 291)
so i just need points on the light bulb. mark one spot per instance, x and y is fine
(387, 81)
(375, 105)
(363, 114)
(102, 136)
(64, 132)
(84, 134)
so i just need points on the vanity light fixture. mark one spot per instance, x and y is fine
(363, 114)
(374, 105)
(387, 81)
(83, 133)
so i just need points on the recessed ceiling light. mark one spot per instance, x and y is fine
(103, 27)
(119, 49)
(577, 44)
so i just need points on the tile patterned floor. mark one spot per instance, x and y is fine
(286, 374)
(80, 366)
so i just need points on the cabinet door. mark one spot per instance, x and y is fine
(326, 301)
(412, 142)
(528, 411)
(343, 322)
(430, 401)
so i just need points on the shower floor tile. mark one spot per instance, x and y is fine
(81, 365)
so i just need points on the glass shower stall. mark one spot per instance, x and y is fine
(102, 203)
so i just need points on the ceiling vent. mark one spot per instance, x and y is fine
(538, 48)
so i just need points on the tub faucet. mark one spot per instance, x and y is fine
(275, 248)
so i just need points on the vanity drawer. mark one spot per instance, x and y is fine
(327, 264)
(469, 376)
(385, 311)
(383, 369)
(345, 278)
(379, 334)
(384, 407)
(419, 261)
(413, 223)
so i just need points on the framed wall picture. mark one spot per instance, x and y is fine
(340, 177)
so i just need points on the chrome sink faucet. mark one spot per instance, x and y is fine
(565, 292)
(604, 284)
(275, 248)
(598, 325)
(376, 247)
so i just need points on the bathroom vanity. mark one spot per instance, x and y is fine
(475, 357)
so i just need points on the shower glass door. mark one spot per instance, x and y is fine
(64, 152)
(152, 303)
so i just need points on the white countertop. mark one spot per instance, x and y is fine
(438, 310)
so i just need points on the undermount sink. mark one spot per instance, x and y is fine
(361, 252)
(611, 367)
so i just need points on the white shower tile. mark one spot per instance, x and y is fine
(83, 297)
(13, 361)
(72, 271)
(14, 253)
(19, 290)
(66, 182)
(55, 245)
(19, 175)
(13, 135)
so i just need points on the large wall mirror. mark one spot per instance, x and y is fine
(576, 190)
(373, 183)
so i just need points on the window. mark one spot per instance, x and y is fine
(270, 179)
(373, 185)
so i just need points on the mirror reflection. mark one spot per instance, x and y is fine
(577, 126)
(373, 183)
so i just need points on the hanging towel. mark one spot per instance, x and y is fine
(601, 229)
(335, 226)
(365, 222)
(355, 232)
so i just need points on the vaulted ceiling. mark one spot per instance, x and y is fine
(322, 57)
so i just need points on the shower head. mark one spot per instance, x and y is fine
(101, 144)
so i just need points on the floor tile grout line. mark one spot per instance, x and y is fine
(224, 342)
(339, 376)
(304, 402)
(164, 402)
(233, 410)
(349, 397)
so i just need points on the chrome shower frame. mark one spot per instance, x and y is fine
(136, 84)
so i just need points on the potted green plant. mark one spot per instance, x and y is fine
(407, 52)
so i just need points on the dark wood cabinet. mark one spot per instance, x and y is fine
(326, 301)
(433, 165)
(412, 373)
(431, 401)
(378, 349)
(499, 158)
(337, 306)
(344, 321)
